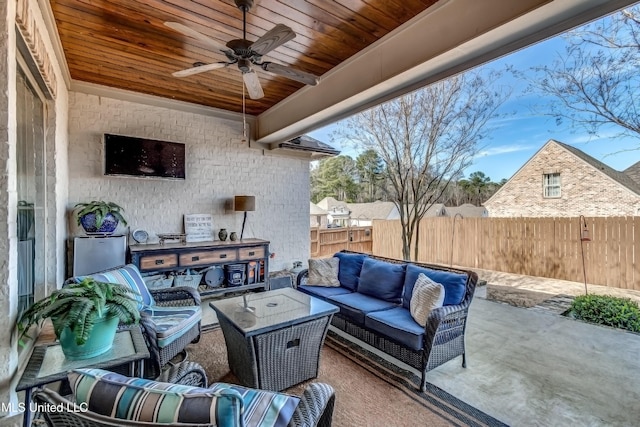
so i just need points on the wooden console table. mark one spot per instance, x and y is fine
(180, 256)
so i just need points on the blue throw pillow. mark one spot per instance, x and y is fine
(349, 269)
(381, 279)
(454, 284)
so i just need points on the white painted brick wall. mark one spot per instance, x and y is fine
(584, 190)
(218, 166)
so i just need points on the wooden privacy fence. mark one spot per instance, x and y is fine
(327, 241)
(543, 247)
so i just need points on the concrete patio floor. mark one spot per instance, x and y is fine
(528, 367)
(535, 367)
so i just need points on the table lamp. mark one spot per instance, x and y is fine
(244, 204)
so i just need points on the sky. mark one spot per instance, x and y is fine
(516, 138)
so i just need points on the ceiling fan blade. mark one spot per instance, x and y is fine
(196, 35)
(252, 83)
(199, 69)
(290, 73)
(273, 38)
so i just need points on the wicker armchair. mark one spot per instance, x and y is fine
(170, 317)
(315, 407)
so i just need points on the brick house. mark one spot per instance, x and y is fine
(562, 181)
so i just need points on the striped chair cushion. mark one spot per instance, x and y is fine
(172, 322)
(262, 408)
(137, 399)
(129, 275)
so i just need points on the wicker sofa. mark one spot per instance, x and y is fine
(384, 320)
(315, 406)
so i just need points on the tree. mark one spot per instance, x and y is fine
(370, 170)
(476, 187)
(334, 177)
(595, 82)
(425, 139)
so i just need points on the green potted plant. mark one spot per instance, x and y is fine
(99, 217)
(85, 316)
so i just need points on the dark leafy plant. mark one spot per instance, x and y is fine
(79, 306)
(608, 310)
(100, 209)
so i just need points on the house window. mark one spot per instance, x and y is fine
(551, 185)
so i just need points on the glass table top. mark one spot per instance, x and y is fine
(48, 364)
(255, 313)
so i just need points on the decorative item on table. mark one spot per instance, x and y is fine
(253, 272)
(222, 234)
(180, 237)
(235, 274)
(244, 204)
(140, 236)
(198, 227)
(98, 217)
(233, 236)
(214, 276)
(189, 279)
(158, 281)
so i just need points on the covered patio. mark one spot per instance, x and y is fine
(65, 80)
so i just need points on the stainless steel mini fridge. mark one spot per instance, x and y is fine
(92, 254)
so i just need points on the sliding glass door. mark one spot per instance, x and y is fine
(30, 168)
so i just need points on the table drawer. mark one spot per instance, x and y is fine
(154, 262)
(250, 253)
(207, 257)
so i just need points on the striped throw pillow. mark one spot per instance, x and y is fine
(427, 295)
(263, 408)
(128, 275)
(137, 399)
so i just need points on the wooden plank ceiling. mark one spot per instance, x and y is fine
(125, 44)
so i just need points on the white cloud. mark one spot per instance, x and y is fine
(505, 149)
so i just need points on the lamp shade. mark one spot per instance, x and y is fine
(244, 203)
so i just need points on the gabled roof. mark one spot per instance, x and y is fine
(373, 210)
(329, 203)
(620, 177)
(633, 172)
(316, 210)
(467, 210)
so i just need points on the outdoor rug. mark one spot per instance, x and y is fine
(370, 391)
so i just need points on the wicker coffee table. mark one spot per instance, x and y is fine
(275, 343)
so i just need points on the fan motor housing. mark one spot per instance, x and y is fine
(241, 48)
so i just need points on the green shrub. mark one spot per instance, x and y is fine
(607, 310)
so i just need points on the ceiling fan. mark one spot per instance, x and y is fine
(247, 54)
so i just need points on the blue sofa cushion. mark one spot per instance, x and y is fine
(324, 292)
(356, 305)
(454, 284)
(349, 269)
(397, 325)
(172, 322)
(381, 279)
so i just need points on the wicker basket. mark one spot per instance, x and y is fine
(159, 281)
(190, 280)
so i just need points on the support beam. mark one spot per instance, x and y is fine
(446, 39)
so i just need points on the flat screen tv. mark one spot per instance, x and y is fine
(129, 156)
